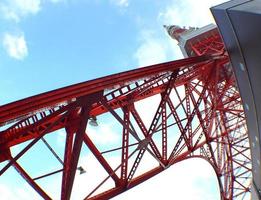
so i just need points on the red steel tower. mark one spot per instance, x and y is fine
(198, 113)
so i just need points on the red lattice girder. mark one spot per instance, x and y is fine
(198, 114)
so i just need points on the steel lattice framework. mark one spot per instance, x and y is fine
(199, 114)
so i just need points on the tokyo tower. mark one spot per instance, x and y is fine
(205, 106)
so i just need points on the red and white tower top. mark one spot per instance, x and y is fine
(190, 37)
(175, 31)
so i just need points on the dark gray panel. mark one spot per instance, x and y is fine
(239, 23)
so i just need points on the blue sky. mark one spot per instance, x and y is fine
(47, 44)
(56, 43)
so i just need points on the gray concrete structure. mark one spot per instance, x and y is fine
(239, 23)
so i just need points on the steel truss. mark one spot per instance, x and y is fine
(199, 115)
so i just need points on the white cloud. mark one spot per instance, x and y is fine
(155, 49)
(61, 137)
(16, 9)
(94, 172)
(6, 193)
(151, 50)
(9, 13)
(189, 13)
(56, 1)
(23, 192)
(121, 3)
(147, 109)
(195, 174)
(15, 45)
(28, 6)
(103, 134)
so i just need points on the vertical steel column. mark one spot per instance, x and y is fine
(67, 158)
(188, 112)
(125, 144)
(164, 135)
(85, 103)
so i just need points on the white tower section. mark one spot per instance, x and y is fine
(188, 37)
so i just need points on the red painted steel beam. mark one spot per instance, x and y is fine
(13, 135)
(10, 138)
(188, 111)
(67, 159)
(125, 144)
(41, 134)
(164, 134)
(35, 103)
(86, 101)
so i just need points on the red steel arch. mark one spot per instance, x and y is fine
(199, 114)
